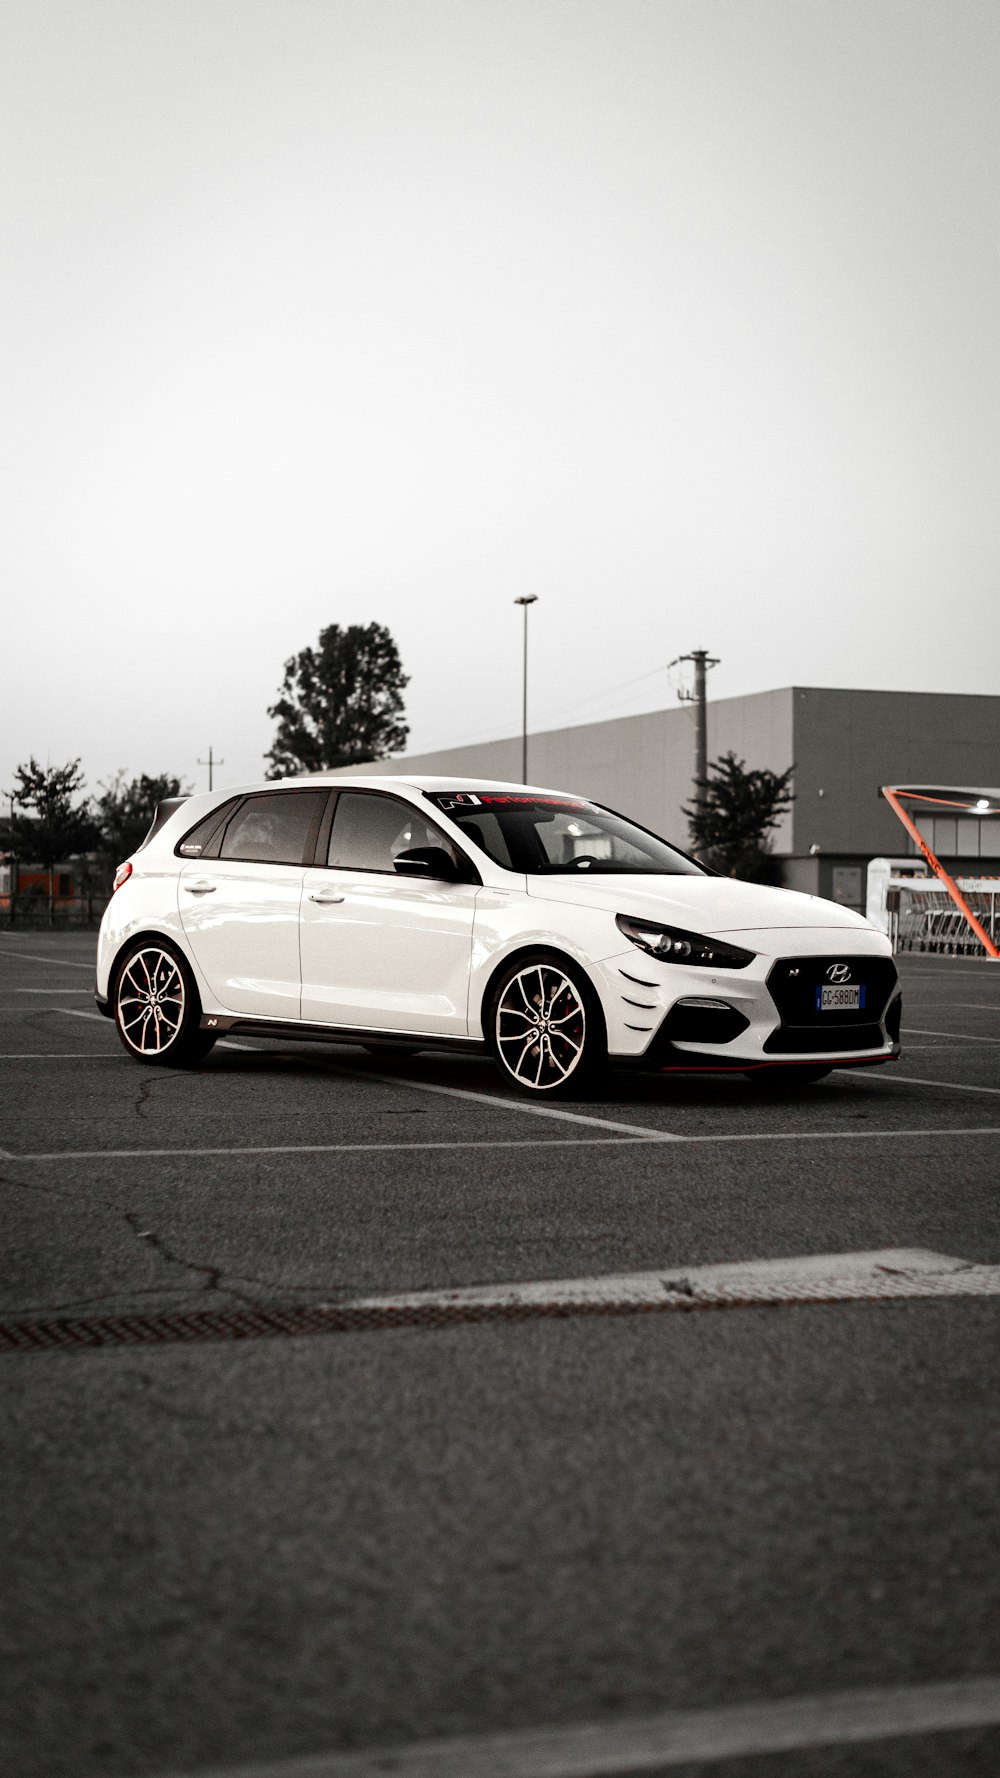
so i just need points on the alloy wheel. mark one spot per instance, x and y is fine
(541, 1027)
(151, 1001)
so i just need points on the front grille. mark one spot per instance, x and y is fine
(795, 985)
(790, 1040)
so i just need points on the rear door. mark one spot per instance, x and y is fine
(382, 951)
(240, 910)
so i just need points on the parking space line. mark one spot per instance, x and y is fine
(609, 1142)
(962, 1036)
(552, 1111)
(841, 1135)
(963, 1005)
(138, 1154)
(671, 1738)
(62, 962)
(61, 1056)
(49, 991)
(912, 1080)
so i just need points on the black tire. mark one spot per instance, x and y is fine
(156, 1007)
(769, 1080)
(546, 996)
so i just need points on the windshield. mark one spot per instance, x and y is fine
(546, 835)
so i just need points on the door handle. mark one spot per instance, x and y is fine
(327, 895)
(200, 888)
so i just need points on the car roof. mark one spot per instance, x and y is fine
(411, 781)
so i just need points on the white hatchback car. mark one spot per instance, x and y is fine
(432, 913)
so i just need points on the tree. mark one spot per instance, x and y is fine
(125, 811)
(340, 703)
(57, 827)
(730, 823)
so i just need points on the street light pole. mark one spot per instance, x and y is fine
(529, 599)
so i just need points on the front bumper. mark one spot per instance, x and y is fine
(763, 1016)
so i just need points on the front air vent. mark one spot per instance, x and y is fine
(703, 1021)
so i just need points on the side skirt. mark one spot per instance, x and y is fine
(305, 1031)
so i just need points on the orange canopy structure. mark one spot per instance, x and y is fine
(977, 801)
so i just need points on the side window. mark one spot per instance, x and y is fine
(274, 828)
(197, 843)
(370, 830)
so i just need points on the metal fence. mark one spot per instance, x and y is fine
(923, 917)
(32, 911)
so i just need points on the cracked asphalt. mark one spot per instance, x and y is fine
(221, 1552)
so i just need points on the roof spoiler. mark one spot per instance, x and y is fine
(169, 806)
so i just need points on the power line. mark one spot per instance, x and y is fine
(600, 698)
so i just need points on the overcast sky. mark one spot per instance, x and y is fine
(680, 314)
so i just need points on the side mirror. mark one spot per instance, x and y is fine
(426, 861)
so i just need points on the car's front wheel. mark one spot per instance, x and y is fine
(156, 1007)
(546, 1028)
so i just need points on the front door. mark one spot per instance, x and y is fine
(381, 951)
(240, 911)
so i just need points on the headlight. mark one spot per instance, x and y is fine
(672, 945)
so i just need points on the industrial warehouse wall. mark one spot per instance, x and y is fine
(844, 745)
(642, 765)
(848, 743)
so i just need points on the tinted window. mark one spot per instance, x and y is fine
(549, 834)
(274, 828)
(196, 844)
(370, 831)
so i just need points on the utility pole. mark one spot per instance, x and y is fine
(529, 599)
(701, 660)
(210, 762)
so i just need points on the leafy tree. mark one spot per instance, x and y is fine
(340, 703)
(731, 821)
(125, 811)
(57, 826)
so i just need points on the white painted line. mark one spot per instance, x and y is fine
(962, 1036)
(49, 991)
(672, 1738)
(63, 962)
(609, 1142)
(502, 1104)
(822, 1277)
(60, 1056)
(963, 1005)
(844, 1135)
(956, 973)
(134, 1154)
(912, 1080)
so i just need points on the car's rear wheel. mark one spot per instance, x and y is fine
(773, 1078)
(156, 1007)
(546, 1028)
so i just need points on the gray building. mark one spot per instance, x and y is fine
(843, 744)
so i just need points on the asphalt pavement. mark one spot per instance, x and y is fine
(224, 1554)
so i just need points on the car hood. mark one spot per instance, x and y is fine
(700, 904)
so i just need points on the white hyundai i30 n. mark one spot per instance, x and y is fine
(431, 913)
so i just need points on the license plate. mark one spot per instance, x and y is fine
(850, 999)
